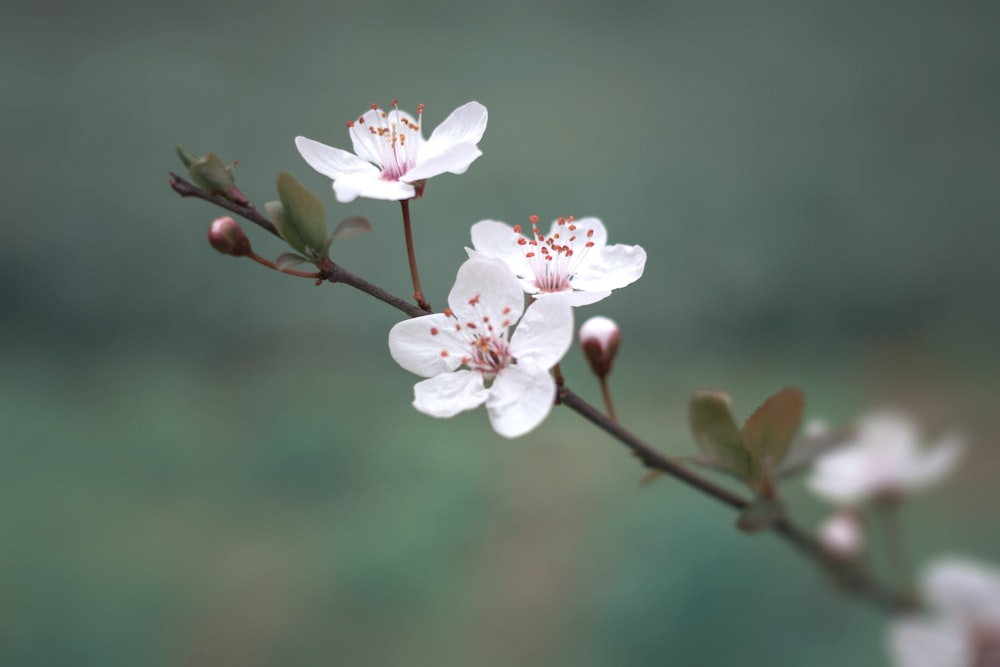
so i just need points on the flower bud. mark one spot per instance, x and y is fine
(842, 535)
(226, 236)
(209, 172)
(599, 342)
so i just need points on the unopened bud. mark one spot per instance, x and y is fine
(226, 236)
(599, 341)
(208, 171)
(842, 535)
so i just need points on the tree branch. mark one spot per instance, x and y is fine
(851, 575)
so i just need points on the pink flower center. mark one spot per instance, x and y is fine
(488, 350)
(395, 138)
(554, 259)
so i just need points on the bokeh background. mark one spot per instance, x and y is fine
(206, 463)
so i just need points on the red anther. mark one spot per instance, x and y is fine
(572, 228)
(448, 313)
(350, 123)
(562, 221)
(517, 229)
(571, 218)
(533, 219)
(522, 241)
(529, 255)
(590, 244)
(471, 325)
(420, 108)
(374, 107)
(506, 310)
(434, 331)
(590, 232)
(395, 104)
(444, 353)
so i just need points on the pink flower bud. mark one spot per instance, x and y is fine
(227, 237)
(599, 341)
(842, 535)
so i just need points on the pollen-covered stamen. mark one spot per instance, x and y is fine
(393, 137)
(485, 345)
(554, 260)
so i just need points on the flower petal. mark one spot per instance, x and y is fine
(599, 238)
(332, 162)
(486, 287)
(574, 298)
(450, 393)
(520, 398)
(544, 333)
(455, 160)
(935, 463)
(464, 125)
(964, 590)
(368, 143)
(616, 266)
(427, 345)
(496, 239)
(923, 642)
(349, 188)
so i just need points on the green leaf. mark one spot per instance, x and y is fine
(761, 515)
(305, 212)
(768, 433)
(289, 260)
(288, 231)
(348, 228)
(716, 434)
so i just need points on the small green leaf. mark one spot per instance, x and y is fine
(305, 212)
(288, 231)
(348, 228)
(761, 515)
(289, 260)
(768, 433)
(716, 434)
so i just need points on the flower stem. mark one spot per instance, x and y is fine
(292, 272)
(418, 292)
(899, 561)
(608, 404)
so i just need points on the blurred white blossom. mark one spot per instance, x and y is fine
(961, 626)
(882, 459)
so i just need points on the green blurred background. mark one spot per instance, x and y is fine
(205, 463)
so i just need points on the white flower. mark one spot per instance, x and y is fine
(962, 625)
(883, 459)
(470, 358)
(573, 260)
(392, 159)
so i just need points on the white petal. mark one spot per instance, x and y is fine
(496, 239)
(922, 642)
(842, 476)
(520, 398)
(617, 266)
(464, 125)
(332, 162)
(599, 238)
(544, 333)
(365, 144)
(455, 160)
(575, 297)
(964, 589)
(448, 394)
(492, 286)
(414, 345)
(935, 463)
(349, 188)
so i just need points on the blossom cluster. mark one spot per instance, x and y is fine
(488, 347)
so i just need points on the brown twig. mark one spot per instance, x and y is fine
(850, 574)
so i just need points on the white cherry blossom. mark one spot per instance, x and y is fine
(883, 459)
(470, 358)
(572, 260)
(961, 626)
(391, 159)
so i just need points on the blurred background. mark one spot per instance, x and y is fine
(206, 463)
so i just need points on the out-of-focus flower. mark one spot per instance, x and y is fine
(961, 627)
(470, 358)
(882, 460)
(842, 535)
(573, 260)
(599, 340)
(391, 159)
